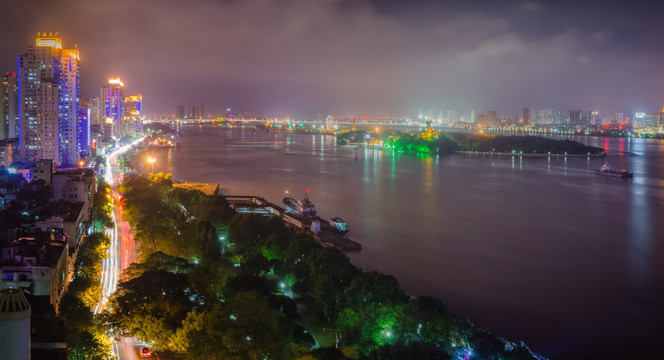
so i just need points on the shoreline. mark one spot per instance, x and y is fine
(491, 154)
(486, 153)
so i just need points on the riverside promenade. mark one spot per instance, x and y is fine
(321, 230)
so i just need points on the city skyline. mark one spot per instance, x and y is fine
(358, 57)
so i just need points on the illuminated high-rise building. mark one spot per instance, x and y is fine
(133, 114)
(95, 119)
(594, 118)
(112, 106)
(575, 117)
(526, 116)
(83, 134)
(68, 107)
(48, 101)
(8, 106)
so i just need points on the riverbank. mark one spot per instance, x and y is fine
(321, 230)
(501, 154)
(252, 268)
(417, 216)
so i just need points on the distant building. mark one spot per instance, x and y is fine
(593, 118)
(179, 112)
(112, 106)
(95, 106)
(451, 116)
(8, 106)
(197, 112)
(95, 119)
(619, 119)
(575, 117)
(133, 115)
(490, 119)
(642, 120)
(526, 116)
(542, 116)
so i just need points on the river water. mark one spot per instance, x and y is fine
(535, 249)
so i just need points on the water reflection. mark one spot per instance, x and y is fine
(563, 247)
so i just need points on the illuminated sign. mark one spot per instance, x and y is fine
(48, 40)
(640, 115)
(115, 81)
(72, 53)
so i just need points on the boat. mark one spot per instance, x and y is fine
(339, 225)
(606, 170)
(304, 207)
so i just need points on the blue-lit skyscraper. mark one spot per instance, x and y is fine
(112, 102)
(83, 135)
(48, 101)
(68, 106)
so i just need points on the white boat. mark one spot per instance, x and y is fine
(304, 207)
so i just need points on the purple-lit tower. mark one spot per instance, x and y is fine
(112, 106)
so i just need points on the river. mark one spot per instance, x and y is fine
(535, 249)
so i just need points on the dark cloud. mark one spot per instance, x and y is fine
(349, 56)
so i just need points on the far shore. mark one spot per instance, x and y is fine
(490, 153)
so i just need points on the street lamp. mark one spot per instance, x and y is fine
(151, 161)
(81, 163)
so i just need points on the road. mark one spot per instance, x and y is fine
(121, 254)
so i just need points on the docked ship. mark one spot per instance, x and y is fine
(304, 207)
(339, 225)
(606, 170)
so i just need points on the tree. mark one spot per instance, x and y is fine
(208, 241)
(195, 321)
(299, 247)
(157, 261)
(244, 328)
(372, 305)
(411, 351)
(101, 204)
(371, 290)
(331, 272)
(152, 305)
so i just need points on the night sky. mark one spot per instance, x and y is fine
(357, 56)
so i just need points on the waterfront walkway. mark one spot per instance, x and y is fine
(320, 229)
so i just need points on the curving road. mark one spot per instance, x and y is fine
(121, 253)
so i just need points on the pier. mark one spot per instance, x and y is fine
(321, 230)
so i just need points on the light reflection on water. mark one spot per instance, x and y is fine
(543, 250)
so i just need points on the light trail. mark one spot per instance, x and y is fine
(121, 243)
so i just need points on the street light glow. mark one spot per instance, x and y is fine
(151, 161)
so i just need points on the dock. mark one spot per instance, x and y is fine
(321, 230)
